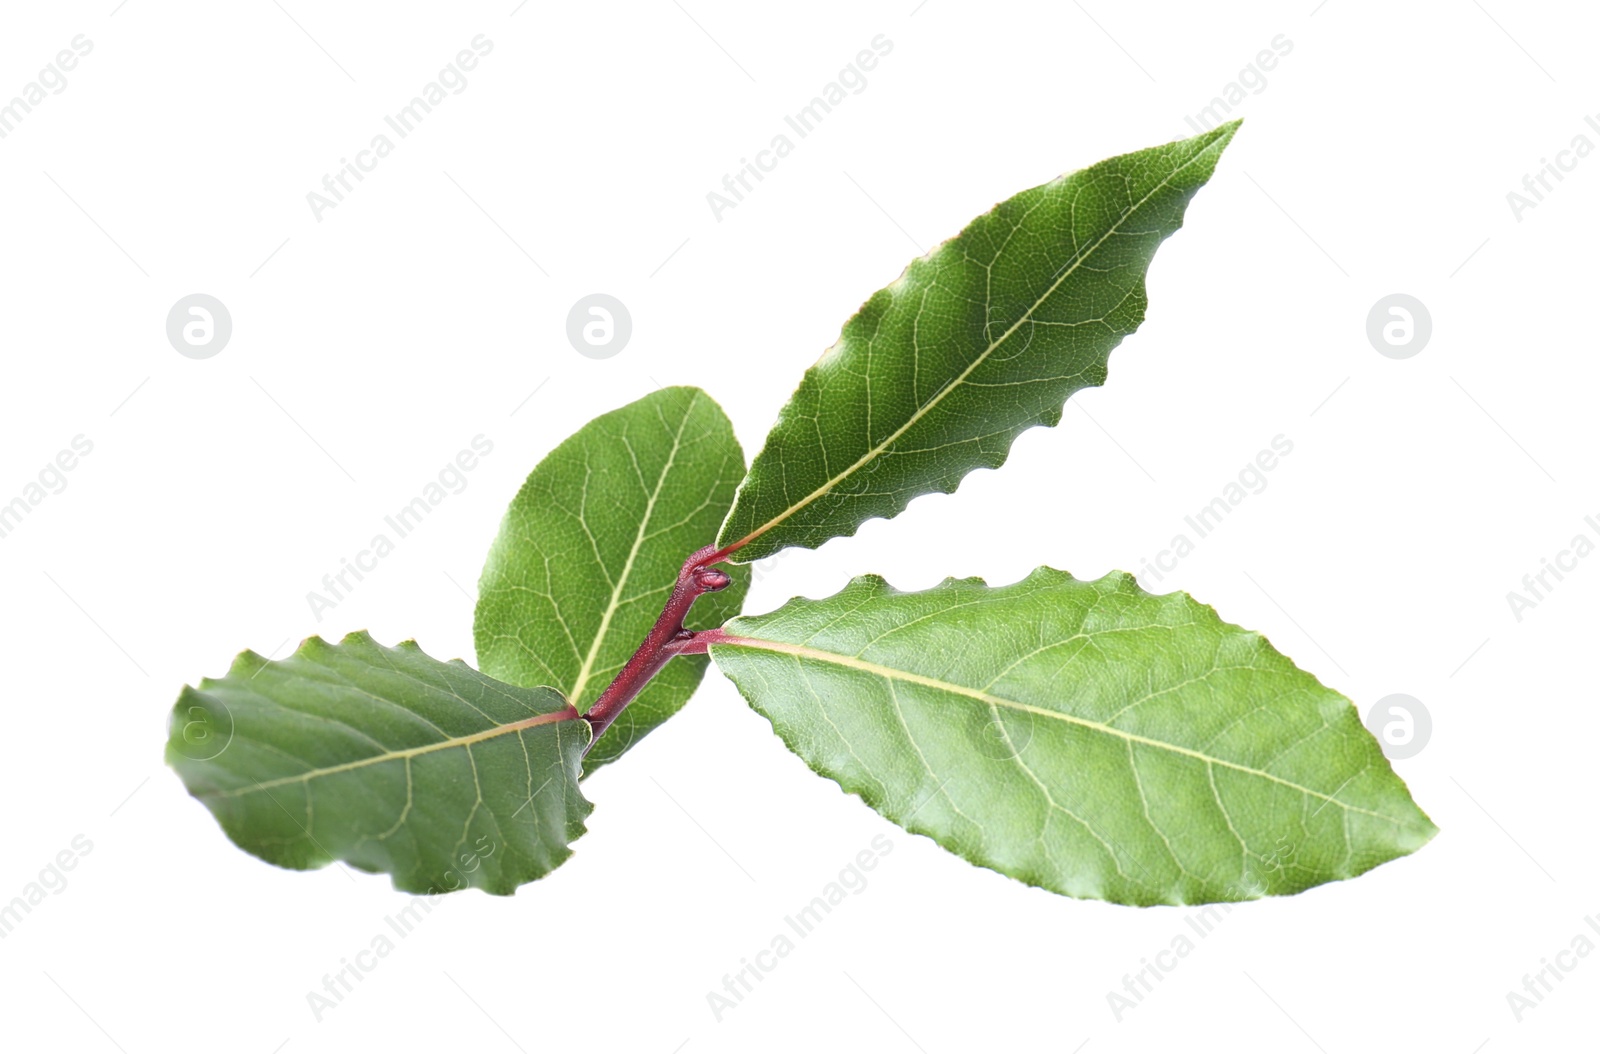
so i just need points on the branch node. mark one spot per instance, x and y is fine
(666, 638)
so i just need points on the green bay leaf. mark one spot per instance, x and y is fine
(590, 549)
(388, 760)
(1085, 737)
(979, 340)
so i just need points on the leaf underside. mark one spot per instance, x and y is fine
(979, 340)
(590, 548)
(388, 760)
(1085, 737)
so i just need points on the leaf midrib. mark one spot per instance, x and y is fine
(584, 672)
(938, 397)
(569, 714)
(889, 673)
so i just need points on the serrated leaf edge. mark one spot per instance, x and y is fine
(252, 662)
(1425, 831)
(1221, 137)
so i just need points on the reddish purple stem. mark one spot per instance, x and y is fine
(665, 639)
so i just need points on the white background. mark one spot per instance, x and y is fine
(375, 343)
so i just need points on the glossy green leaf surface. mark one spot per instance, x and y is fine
(591, 547)
(388, 760)
(1086, 737)
(979, 340)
